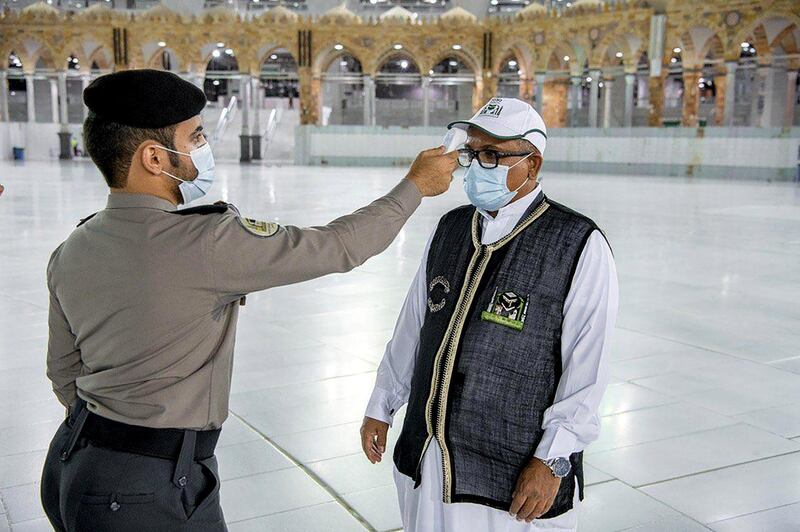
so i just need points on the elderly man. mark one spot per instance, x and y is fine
(499, 347)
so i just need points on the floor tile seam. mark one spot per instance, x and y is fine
(692, 433)
(311, 474)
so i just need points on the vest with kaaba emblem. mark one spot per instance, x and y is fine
(489, 357)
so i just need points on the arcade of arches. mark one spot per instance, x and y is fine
(722, 63)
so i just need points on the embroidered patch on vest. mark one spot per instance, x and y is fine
(436, 307)
(506, 308)
(259, 228)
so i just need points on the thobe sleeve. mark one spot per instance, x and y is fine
(589, 314)
(393, 381)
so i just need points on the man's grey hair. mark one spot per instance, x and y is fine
(526, 145)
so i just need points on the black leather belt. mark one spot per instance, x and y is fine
(159, 443)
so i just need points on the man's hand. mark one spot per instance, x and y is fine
(373, 438)
(536, 489)
(432, 171)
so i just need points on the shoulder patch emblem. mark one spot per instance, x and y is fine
(259, 228)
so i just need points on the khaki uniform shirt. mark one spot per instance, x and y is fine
(144, 302)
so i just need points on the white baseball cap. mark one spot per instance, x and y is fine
(508, 118)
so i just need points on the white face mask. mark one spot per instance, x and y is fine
(203, 161)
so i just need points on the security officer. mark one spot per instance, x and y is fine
(144, 301)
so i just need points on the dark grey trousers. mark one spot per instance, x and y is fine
(103, 490)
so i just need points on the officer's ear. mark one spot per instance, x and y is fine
(153, 158)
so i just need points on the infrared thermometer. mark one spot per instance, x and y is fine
(454, 139)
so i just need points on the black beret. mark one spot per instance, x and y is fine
(144, 98)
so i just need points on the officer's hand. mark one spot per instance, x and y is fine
(373, 438)
(536, 489)
(432, 171)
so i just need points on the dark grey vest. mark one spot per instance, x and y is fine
(489, 358)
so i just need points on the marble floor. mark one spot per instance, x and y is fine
(701, 423)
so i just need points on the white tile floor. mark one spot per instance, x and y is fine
(701, 429)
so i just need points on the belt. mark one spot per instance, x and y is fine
(158, 443)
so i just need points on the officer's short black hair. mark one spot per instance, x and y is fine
(112, 146)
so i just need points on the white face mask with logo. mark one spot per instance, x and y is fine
(203, 161)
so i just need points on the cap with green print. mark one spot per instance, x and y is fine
(508, 118)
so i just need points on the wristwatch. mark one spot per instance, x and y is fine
(560, 467)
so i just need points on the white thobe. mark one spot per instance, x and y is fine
(569, 425)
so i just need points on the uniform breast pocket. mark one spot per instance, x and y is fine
(121, 512)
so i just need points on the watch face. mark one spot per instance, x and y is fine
(561, 467)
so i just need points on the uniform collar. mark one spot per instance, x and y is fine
(124, 200)
(516, 208)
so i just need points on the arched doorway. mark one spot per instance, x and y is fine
(222, 71)
(343, 91)
(451, 91)
(279, 80)
(398, 92)
(17, 92)
(508, 82)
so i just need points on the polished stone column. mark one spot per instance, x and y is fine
(756, 88)
(4, 96)
(53, 83)
(244, 136)
(540, 79)
(791, 98)
(255, 138)
(608, 87)
(30, 97)
(630, 81)
(64, 135)
(720, 84)
(369, 101)
(574, 102)
(593, 97)
(730, 93)
(426, 96)
(691, 98)
(85, 80)
(655, 53)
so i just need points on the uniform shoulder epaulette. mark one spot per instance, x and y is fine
(218, 208)
(84, 220)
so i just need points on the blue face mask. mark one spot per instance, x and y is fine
(203, 161)
(488, 189)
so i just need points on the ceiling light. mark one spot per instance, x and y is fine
(273, 57)
(398, 46)
(220, 45)
(618, 54)
(456, 47)
(676, 50)
(162, 44)
(566, 58)
(512, 63)
(338, 47)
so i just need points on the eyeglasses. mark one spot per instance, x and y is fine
(486, 158)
